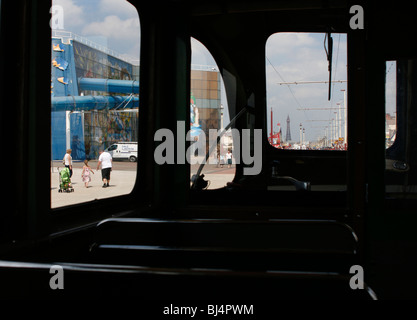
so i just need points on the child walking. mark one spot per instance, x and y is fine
(85, 175)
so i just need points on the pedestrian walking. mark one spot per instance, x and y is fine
(229, 158)
(68, 161)
(86, 174)
(221, 160)
(106, 161)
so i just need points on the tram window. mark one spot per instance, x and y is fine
(299, 112)
(95, 48)
(400, 130)
(390, 103)
(209, 115)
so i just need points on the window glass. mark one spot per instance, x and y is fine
(400, 129)
(113, 147)
(95, 49)
(209, 116)
(390, 103)
(300, 114)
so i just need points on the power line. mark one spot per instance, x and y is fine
(283, 81)
(310, 82)
(289, 88)
(335, 71)
(331, 108)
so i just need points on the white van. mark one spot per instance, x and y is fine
(124, 150)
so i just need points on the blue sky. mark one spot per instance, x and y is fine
(290, 57)
(112, 23)
(295, 57)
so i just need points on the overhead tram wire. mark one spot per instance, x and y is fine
(389, 69)
(313, 82)
(310, 82)
(335, 71)
(289, 88)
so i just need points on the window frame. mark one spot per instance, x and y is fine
(345, 116)
(84, 214)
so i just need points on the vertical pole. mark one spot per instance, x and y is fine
(304, 137)
(331, 132)
(340, 121)
(271, 124)
(345, 116)
(335, 126)
(67, 130)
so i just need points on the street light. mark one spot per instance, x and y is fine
(304, 137)
(345, 115)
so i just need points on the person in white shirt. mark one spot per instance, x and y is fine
(106, 162)
(68, 161)
(229, 159)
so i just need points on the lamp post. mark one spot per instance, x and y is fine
(345, 115)
(304, 135)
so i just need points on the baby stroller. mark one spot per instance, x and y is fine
(65, 181)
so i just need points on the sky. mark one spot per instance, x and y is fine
(290, 57)
(295, 57)
(201, 58)
(391, 87)
(115, 24)
(112, 23)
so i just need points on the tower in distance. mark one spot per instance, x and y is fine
(288, 135)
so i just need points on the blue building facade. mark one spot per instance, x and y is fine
(86, 114)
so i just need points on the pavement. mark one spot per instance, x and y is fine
(122, 180)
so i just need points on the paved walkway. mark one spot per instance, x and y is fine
(121, 182)
(123, 178)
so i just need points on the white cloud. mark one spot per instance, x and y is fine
(200, 54)
(301, 57)
(113, 26)
(121, 8)
(284, 43)
(73, 14)
(122, 35)
(113, 23)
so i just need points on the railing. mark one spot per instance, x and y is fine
(204, 67)
(66, 36)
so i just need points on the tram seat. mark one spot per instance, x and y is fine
(98, 281)
(273, 245)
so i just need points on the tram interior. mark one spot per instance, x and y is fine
(259, 237)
